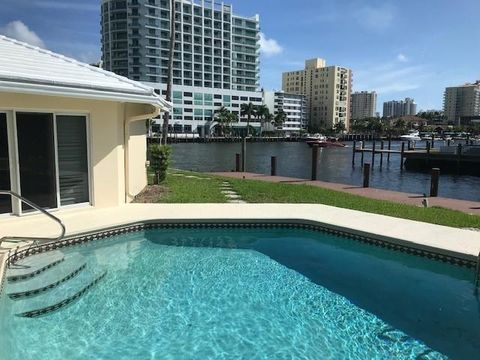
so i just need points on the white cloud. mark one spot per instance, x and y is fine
(402, 58)
(19, 31)
(375, 18)
(269, 47)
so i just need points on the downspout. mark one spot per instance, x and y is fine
(126, 132)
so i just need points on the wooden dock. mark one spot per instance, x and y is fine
(461, 158)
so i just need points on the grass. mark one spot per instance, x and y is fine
(182, 189)
(254, 191)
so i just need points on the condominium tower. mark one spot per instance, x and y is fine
(462, 101)
(394, 108)
(294, 106)
(327, 90)
(216, 54)
(363, 105)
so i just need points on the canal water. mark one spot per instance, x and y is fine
(335, 165)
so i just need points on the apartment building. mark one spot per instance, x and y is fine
(293, 105)
(327, 90)
(462, 102)
(363, 105)
(216, 54)
(394, 108)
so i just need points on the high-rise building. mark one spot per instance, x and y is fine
(462, 101)
(294, 106)
(216, 54)
(327, 90)
(363, 105)
(394, 108)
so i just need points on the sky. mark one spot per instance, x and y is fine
(399, 48)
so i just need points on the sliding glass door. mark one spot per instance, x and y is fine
(72, 159)
(5, 201)
(36, 159)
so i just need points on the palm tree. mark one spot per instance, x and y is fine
(168, 96)
(279, 118)
(249, 111)
(262, 113)
(222, 116)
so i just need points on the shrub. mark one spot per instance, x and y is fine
(159, 161)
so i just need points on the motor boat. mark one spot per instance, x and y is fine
(316, 137)
(325, 143)
(412, 136)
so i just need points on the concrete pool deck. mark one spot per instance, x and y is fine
(464, 244)
(469, 207)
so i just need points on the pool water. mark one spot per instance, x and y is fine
(253, 294)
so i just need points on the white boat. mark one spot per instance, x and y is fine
(315, 137)
(412, 136)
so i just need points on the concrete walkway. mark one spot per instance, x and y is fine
(469, 207)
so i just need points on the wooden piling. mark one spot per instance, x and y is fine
(366, 175)
(237, 162)
(373, 153)
(427, 160)
(389, 148)
(353, 152)
(244, 154)
(273, 165)
(381, 154)
(314, 162)
(433, 141)
(459, 157)
(435, 175)
(362, 147)
(402, 154)
(408, 145)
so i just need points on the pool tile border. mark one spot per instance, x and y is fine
(224, 224)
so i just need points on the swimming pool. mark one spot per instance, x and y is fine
(241, 293)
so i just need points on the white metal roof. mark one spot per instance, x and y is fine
(29, 69)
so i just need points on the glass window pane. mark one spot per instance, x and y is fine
(72, 159)
(5, 202)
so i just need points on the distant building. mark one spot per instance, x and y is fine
(294, 106)
(327, 90)
(400, 108)
(216, 55)
(461, 101)
(363, 105)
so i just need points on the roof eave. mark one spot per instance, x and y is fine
(71, 92)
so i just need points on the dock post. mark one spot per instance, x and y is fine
(448, 142)
(366, 175)
(428, 153)
(373, 153)
(244, 154)
(435, 175)
(314, 161)
(273, 165)
(459, 157)
(408, 145)
(381, 154)
(237, 162)
(353, 152)
(433, 141)
(362, 147)
(402, 154)
(389, 148)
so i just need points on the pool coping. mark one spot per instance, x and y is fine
(372, 233)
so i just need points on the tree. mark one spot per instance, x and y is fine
(279, 119)
(339, 127)
(222, 117)
(168, 96)
(263, 114)
(248, 110)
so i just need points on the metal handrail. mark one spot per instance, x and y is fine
(43, 211)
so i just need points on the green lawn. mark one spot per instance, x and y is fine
(181, 189)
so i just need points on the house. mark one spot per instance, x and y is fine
(71, 135)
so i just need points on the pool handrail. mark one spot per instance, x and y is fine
(41, 210)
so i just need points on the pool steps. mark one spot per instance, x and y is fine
(32, 266)
(60, 296)
(44, 284)
(48, 280)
